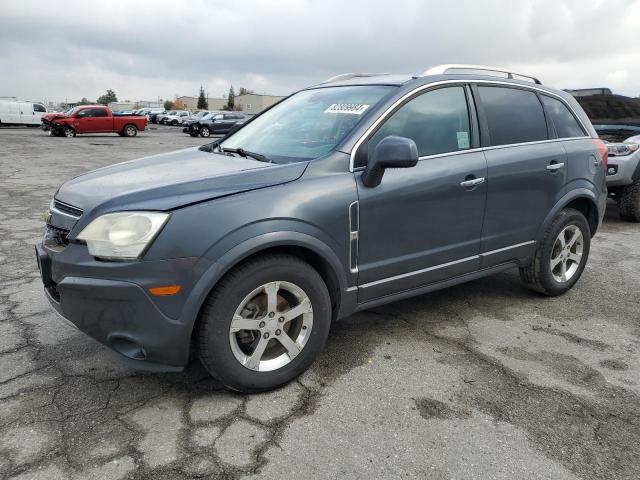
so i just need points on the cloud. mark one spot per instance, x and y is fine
(149, 49)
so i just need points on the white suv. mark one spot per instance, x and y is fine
(177, 118)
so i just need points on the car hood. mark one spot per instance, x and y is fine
(53, 116)
(171, 180)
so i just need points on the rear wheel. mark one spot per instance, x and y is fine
(264, 323)
(69, 132)
(174, 123)
(629, 202)
(204, 131)
(561, 255)
(129, 130)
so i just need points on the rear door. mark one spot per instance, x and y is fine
(527, 169)
(423, 224)
(102, 121)
(26, 113)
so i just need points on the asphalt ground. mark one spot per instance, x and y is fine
(485, 380)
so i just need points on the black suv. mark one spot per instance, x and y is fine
(353, 193)
(216, 123)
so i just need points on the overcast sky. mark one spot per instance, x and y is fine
(159, 48)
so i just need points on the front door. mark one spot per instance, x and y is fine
(423, 224)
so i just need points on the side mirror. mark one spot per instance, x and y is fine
(391, 152)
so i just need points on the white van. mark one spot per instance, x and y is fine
(21, 113)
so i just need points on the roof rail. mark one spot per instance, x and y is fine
(349, 76)
(449, 68)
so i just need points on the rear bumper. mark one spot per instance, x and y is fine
(151, 333)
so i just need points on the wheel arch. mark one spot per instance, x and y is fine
(320, 256)
(581, 199)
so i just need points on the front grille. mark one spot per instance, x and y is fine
(66, 208)
(56, 238)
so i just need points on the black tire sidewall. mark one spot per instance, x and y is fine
(223, 364)
(566, 218)
(204, 129)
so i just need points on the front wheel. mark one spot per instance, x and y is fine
(205, 132)
(629, 202)
(69, 132)
(264, 324)
(174, 123)
(561, 255)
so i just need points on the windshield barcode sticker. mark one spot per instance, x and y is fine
(353, 108)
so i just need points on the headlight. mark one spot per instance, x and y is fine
(122, 235)
(621, 149)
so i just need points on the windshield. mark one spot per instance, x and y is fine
(308, 124)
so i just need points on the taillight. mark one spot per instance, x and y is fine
(603, 151)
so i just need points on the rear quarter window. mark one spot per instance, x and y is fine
(563, 120)
(513, 115)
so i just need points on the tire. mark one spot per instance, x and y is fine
(174, 123)
(222, 351)
(205, 132)
(629, 202)
(569, 263)
(68, 132)
(193, 134)
(129, 130)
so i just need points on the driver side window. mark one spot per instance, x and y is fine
(438, 121)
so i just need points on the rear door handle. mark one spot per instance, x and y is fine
(555, 167)
(472, 183)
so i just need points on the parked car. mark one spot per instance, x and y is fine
(192, 125)
(616, 118)
(152, 112)
(219, 123)
(347, 195)
(92, 119)
(175, 118)
(160, 118)
(153, 117)
(21, 113)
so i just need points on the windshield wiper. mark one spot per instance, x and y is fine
(244, 153)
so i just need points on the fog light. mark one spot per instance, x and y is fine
(612, 170)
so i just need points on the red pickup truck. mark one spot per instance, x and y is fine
(92, 119)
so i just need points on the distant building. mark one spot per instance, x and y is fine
(191, 103)
(120, 106)
(255, 103)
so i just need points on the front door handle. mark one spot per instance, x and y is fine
(474, 182)
(554, 167)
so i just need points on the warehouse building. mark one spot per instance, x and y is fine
(191, 103)
(255, 103)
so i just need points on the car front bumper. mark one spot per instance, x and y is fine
(110, 302)
(625, 169)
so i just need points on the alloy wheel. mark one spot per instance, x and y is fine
(566, 254)
(271, 326)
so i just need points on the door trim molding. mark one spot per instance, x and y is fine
(418, 272)
(500, 250)
(443, 265)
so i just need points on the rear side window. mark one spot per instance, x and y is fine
(438, 121)
(99, 112)
(513, 115)
(566, 124)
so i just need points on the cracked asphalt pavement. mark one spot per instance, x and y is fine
(485, 380)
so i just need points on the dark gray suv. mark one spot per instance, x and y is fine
(356, 192)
